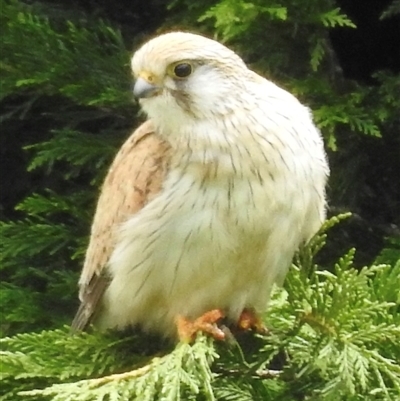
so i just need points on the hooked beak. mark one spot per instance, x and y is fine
(144, 89)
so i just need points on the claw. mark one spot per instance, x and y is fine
(207, 323)
(249, 320)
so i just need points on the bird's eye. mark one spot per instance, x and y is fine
(182, 70)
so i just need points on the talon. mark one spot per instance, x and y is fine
(207, 323)
(249, 320)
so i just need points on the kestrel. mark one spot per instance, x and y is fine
(206, 203)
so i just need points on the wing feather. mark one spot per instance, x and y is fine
(134, 178)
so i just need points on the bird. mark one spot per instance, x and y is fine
(206, 203)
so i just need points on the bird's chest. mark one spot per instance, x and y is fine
(218, 209)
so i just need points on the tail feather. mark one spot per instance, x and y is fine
(90, 304)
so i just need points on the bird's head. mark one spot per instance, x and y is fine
(186, 75)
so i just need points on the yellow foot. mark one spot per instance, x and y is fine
(249, 320)
(207, 323)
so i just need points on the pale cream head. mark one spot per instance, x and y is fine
(184, 72)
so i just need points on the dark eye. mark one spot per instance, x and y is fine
(182, 70)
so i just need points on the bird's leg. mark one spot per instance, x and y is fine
(249, 320)
(207, 323)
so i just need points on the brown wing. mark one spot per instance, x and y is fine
(135, 177)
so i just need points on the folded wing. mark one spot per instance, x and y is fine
(134, 179)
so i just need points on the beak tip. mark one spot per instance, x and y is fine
(143, 89)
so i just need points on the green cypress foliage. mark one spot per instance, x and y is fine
(333, 335)
(80, 72)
